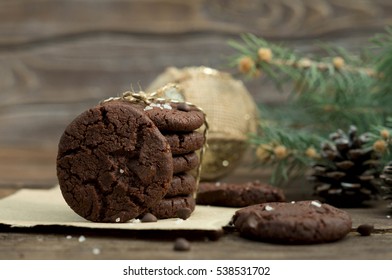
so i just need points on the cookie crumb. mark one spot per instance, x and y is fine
(184, 213)
(181, 244)
(179, 221)
(316, 203)
(68, 237)
(148, 218)
(268, 208)
(148, 108)
(82, 238)
(135, 221)
(365, 229)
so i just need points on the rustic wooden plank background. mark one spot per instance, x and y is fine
(57, 58)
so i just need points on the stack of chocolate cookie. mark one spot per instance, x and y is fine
(120, 160)
(178, 122)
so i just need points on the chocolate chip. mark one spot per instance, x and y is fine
(181, 244)
(183, 107)
(149, 218)
(365, 229)
(184, 213)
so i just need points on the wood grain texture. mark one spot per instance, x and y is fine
(47, 246)
(37, 20)
(58, 58)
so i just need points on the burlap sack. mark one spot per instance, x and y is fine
(230, 109)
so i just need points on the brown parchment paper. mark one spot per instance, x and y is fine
(29, 208)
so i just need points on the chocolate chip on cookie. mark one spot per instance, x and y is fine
(302, 222)
(184, 213)
(113, 163)
(237, 195)
(148, 218)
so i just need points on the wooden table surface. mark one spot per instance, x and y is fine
(52, 243)
(59, 58)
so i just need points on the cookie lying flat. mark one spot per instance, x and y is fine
(184, 163)
(237, 195)
(113, 163)
(168, 207)
(302, 222)
(182, 184)
(175, 116)
(185, 143)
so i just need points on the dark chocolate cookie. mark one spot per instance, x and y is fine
(182, 184)
(237, 195)
(302, 222)
(168, 207)
(184, 163)
(185, 143)
(175, 117)
(113, 163)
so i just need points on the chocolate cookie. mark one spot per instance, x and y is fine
(302, 222)
(113, 163)
(184, 163)
(237, 195)
(182, 184)
(168, 207)
(185, 143)
(175, 116)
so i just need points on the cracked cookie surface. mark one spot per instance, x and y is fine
(182, 184)
(301, 222)
(185, 143)
(184, 163)
(168, 207)
(180, 117)
(113, 163)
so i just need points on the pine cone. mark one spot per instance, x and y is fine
(348, 174)
(386, 188)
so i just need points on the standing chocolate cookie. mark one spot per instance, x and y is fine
(113, 163)
(237, 195)
(302, 222)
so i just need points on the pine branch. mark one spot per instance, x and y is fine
(288, 151)
(256, 55)
(330, 92)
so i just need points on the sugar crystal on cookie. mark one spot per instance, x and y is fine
(268, 208)
(316, 203)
